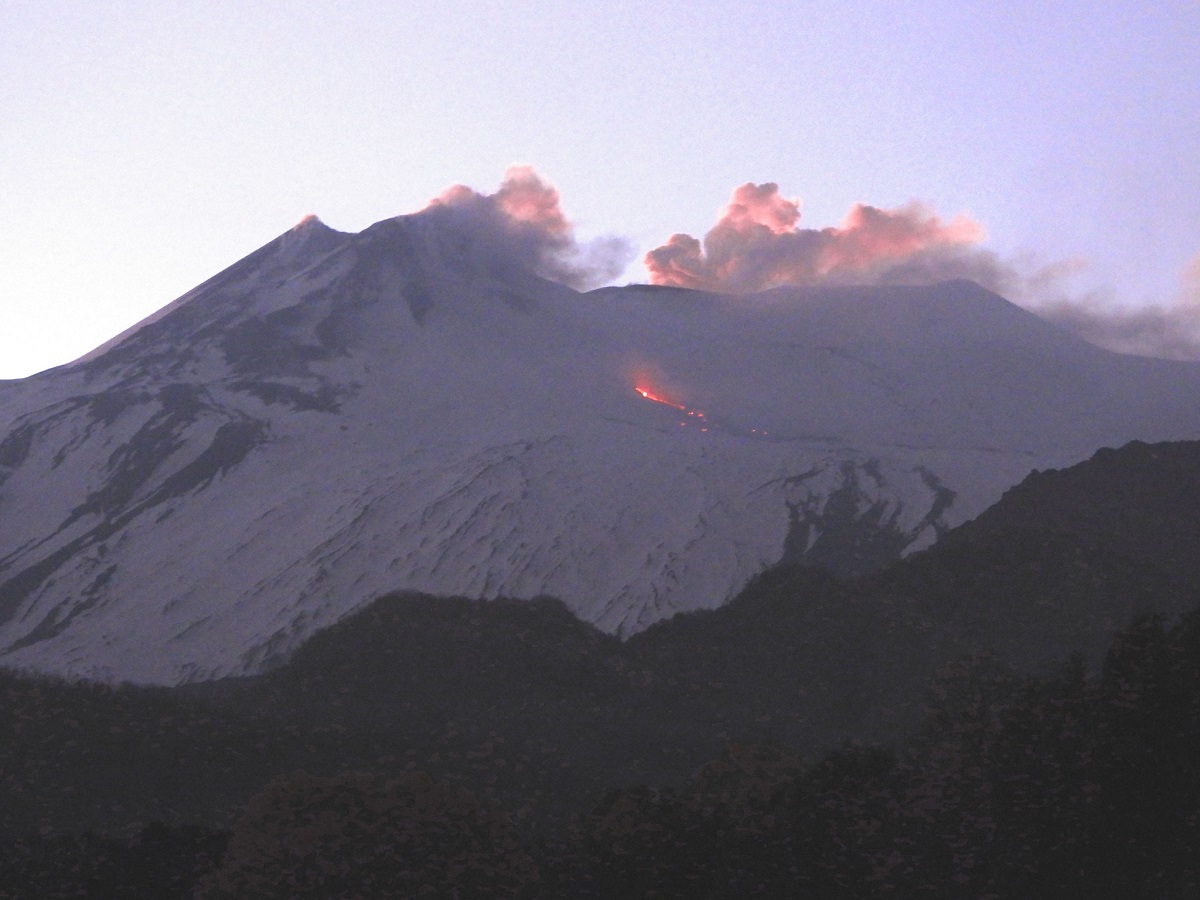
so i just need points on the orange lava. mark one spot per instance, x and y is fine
(657, 399)
(690, 416)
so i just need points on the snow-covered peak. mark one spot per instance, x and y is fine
(310, 235)
(339, 415)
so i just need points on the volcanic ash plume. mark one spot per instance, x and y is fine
(1167, 330)
(757, 243)
(523, 222)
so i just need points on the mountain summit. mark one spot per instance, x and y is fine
(412, 407)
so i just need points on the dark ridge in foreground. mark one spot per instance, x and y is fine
(1022, 735)
(1140, 502)
(1014, 786)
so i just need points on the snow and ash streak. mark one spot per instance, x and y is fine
(524, 222)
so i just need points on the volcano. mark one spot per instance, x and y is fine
(341, 415)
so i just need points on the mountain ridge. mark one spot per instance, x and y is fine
(338, 416)
(800, 660)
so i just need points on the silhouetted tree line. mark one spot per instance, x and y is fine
(1015, 787)
(1074, 785)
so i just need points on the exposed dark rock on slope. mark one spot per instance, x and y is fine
(338, 416)
(526, 704)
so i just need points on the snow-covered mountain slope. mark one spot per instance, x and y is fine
(339, 415)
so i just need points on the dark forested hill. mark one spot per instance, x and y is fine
(1140, 502)
(534, 713)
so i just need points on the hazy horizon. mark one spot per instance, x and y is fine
(148, 146)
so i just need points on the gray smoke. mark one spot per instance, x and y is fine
(523, 223)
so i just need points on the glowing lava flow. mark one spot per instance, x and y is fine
(657, 399)
(694, 414)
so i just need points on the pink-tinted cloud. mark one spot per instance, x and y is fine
(523, 224)
(758, 243)
(871, 238)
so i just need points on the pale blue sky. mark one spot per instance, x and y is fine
(146, 145)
